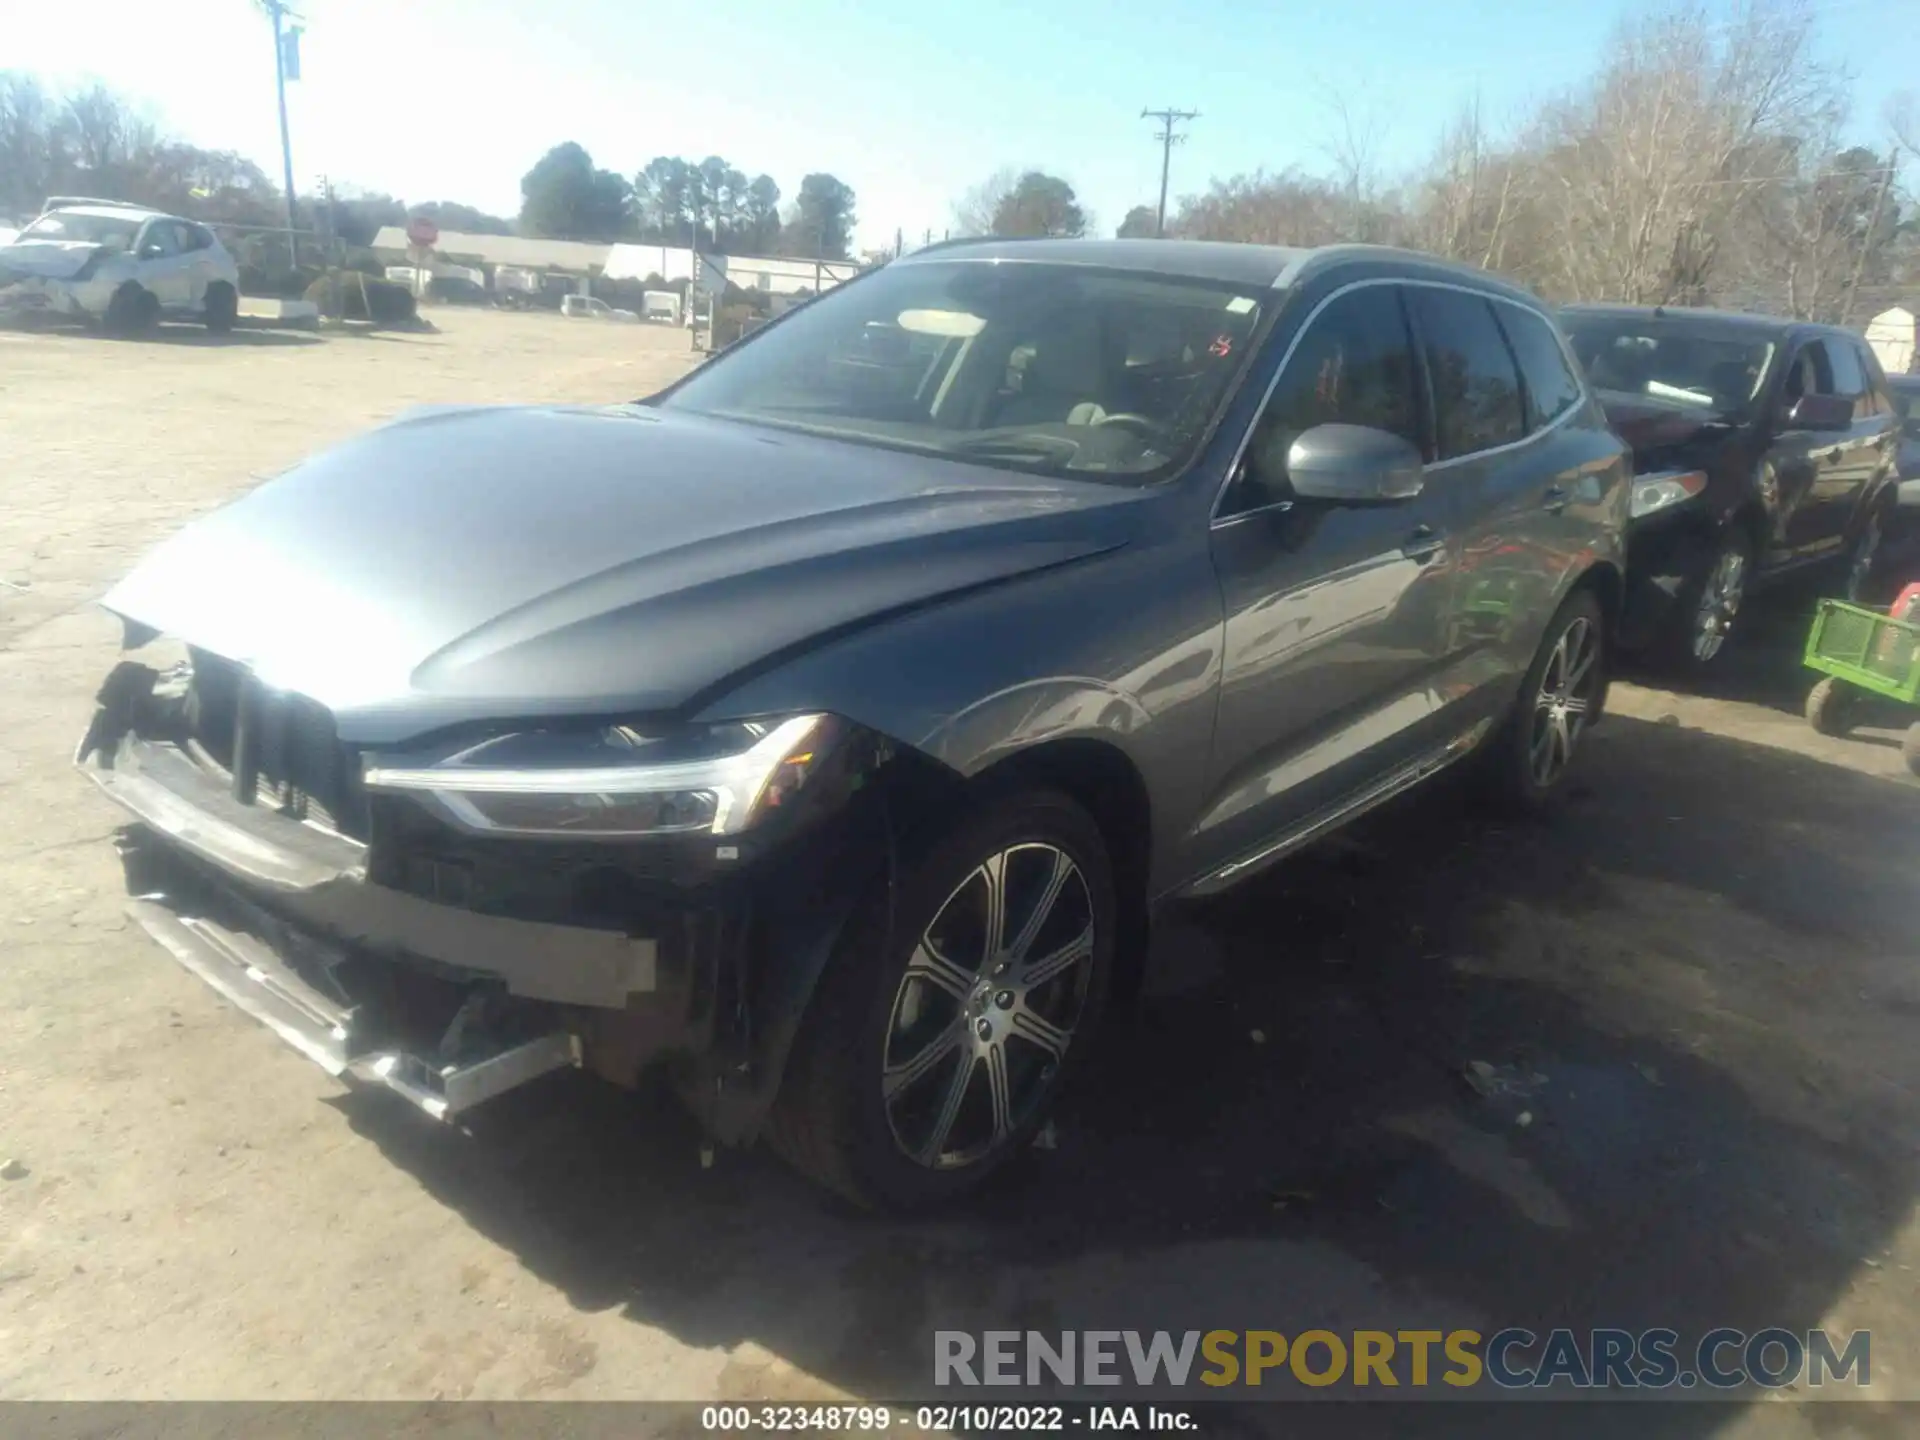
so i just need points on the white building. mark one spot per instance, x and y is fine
(772, 275)
(1891, 336)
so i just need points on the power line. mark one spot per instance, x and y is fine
(1168, 119)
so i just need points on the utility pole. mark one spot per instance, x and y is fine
(1168, 119)
(1866, 240)
(277, 12)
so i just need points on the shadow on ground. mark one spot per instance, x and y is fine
(1676, 980)
(186, 336)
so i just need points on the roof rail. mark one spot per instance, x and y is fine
(55, 201)
(957, 241)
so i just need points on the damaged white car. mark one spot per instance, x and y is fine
(118, 265)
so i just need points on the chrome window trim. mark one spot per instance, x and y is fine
(1216, 520)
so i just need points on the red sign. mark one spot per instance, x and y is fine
(422, 231)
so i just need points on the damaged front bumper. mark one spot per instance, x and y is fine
(450, 969)
(24, 295)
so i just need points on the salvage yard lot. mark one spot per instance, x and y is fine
(1699, 983)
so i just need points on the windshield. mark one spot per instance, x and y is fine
(1720, 374)
(1058, 369)
(93, 229)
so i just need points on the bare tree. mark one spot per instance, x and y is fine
(29, 153)
(1353, 147)
(1466, 203)
(974, 212)
(1648, 171)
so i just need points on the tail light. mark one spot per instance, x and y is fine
(1906, 605)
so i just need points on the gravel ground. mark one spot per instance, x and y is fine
(1698, 982)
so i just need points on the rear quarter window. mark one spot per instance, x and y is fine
(1552, 389)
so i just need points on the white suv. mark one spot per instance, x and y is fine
(120, 265)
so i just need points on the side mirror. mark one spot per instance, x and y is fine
(1820, 412)
(1353, 465)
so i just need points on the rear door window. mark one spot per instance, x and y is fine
(1476, 389)
(1874, 400)
(1552, 389)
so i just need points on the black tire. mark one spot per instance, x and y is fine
(1857, 584)
(1692, 644)
(131, 311)
(1832, 707)
(222, 307)
(1910, 748)
(1512, 774)
(831, 1121)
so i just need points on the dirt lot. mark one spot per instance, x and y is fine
(1699, 983)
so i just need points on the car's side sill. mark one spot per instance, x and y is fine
(1348, 807)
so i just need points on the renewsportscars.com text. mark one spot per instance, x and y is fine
(1509, 1359)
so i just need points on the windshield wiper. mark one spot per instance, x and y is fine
(1033, 445)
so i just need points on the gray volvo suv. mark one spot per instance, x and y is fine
(826, 730)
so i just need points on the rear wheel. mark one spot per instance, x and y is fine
(1562, 695)
(947, 1025)
(222, 307)
(1832, 707)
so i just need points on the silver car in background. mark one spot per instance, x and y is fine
(118, 265)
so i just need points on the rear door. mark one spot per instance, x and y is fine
(1509, 496)
(1334, 613)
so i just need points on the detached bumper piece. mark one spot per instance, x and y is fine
(338, 1035)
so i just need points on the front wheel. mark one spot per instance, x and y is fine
(1830, 707)
(1708, 605)
(1562, 694)
(949, 1021)
(131, 311)
(1863, 558)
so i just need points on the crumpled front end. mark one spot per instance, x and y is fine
(392, 947)
(67, 279)
(25, 295)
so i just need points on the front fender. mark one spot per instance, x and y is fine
(1122, 647)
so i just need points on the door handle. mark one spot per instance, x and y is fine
(1423, 544)
(1555, 499)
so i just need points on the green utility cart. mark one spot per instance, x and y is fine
(1863, 653)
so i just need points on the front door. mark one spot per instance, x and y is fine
(1817, 474)
(1334, 613)
(164, 270)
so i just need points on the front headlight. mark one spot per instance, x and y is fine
(619, 782)
(1663, 491)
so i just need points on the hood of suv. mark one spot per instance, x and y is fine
(528, 561)
(47, 259)
(1656, 427)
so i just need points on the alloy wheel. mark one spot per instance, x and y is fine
(987, 1007)
(1565, 702)
(1720, 601)
(1866, 549)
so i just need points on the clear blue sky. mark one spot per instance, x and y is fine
(909, 102)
